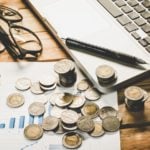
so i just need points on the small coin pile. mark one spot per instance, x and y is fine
(105, 74)
(135, 98)
(66, 71)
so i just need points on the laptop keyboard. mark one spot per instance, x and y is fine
(133, 15)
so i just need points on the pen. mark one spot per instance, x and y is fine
(103, 52)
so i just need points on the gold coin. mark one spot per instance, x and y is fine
(98, 129)
(33, 132)
(90, 109)
(134, 93)
(72, 140)
(15, 100)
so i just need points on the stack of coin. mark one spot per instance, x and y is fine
(105, 74)
(66, 71)
(134, 98)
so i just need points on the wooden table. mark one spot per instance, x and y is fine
(132, 138)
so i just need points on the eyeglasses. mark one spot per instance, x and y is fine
(20, 42)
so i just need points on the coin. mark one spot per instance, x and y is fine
(48, 88)
(47, 81)
(63, 66)
(36, 109)
(69, 117)
(72, 128)
(83, 85)
(72, 140)
(50, 123)
(60, 129)
(78, 101)
(134, 93)
(23, 84)
(35, 88)
(56, 111)
(64, 100)
(92, 94)
(54, 96)
(111, 123)
(107, 111)
(15, 100)
(98, 129)
(85, 124)
(42, 99)
(90, 109)
(105, 72)
(33, 132)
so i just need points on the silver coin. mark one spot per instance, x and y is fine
(36, 109)
(54, 96)
(57, 111)
(72, 140)
(50, 123)
(48, 88)
(105, 72)
(69, 128)
(92, 94)
(63, 66)
(107, 111)
(64, 100)
(23, 84)
(42, 99)
(134, 93)
(83, 85)
(69, 117)
(78, 101)
(48, 81)
(111, 123)
(2, 48)
(90, 109)
(35, 88)
(15, 100)
(33, 132)
(85, 124)
(98, 129)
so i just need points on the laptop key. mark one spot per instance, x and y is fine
(143, 42)
(136, 35)
(146, 3)
(131, 27)
(110, 7)
(148, 48)
(139, 8)
(140, 21)
(133, 15)
(126, 9)
(145, 14)
(123, 20)
(120, 3)
(132, 3)
(146, 28)
(147, 39)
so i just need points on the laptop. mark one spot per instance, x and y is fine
(106, 23)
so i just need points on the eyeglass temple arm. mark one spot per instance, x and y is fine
(8, 44)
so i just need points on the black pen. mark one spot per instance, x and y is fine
(103, 52)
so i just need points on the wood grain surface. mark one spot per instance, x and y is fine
(132, 138)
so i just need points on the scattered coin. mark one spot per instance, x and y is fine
(78, 102)
(60, 129)
(67, 128)
(50, 123)
(69, 117)
(134, 93)
(36, 109)
(42, 99)
(107, 111)
(85, 124)
(105, 73)
(111, 123)
(90, 109)
(64, 100)
(48, 88)
(98, 129)
(23, 84)
(54, 96)
(47, 81)
(33, 132)
(83, 85)
(92, 94)
(15, 100)
(35, 88)
(57, 111)
(72, 140)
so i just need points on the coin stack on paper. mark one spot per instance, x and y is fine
(135, 98)
(66, 71)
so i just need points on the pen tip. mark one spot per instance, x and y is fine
(141, 61)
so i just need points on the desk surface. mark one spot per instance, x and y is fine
(131, 139)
